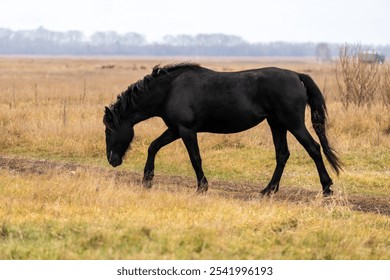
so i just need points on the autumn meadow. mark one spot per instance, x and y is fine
(60, 199)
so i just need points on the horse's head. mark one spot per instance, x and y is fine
(118, 137)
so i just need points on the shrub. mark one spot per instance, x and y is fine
(358, 82)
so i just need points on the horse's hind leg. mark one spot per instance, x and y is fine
(191, 142)
(314, 150)
(279, 135)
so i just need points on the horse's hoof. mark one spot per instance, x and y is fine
(147, 180)
(202, 189)
(266, 193)
(147, 184)
(270, 190)
(328, 192)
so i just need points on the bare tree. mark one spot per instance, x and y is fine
(323, 52)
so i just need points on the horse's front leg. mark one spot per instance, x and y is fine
(164, 139)
(191, 142)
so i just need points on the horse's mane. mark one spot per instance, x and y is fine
(142, 95)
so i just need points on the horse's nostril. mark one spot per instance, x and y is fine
(110, 158)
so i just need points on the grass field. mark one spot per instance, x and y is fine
(51, 111)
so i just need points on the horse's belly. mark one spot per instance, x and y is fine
(229, 125)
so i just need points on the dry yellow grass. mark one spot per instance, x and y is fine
(52, 109)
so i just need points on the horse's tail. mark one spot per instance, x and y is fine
(317, 105)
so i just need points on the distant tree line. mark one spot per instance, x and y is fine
(42, 41)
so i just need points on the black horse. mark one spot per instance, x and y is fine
(191, 99)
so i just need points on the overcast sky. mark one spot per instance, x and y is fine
(335, 21)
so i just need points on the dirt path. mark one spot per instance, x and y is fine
(246, 191)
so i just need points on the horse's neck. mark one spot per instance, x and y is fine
(138, 116)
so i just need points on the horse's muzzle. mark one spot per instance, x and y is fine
(114, 159)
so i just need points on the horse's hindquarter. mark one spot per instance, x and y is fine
(208, 101)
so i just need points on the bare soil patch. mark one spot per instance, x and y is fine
(242, 191)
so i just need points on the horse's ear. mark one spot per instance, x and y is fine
(108, 115)
(111, 119)
(108, 118)
(107, 111)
